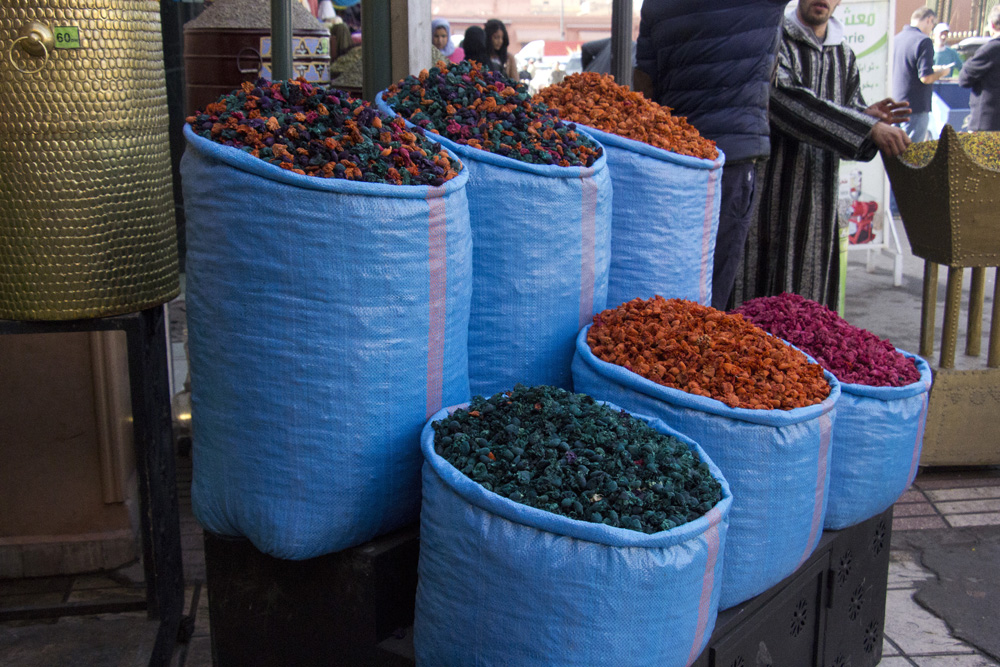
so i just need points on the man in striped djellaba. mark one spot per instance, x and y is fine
(818, 117)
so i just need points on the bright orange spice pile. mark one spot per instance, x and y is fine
(596, 100)
(704, 351)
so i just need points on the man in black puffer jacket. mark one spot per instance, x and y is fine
(713, 62)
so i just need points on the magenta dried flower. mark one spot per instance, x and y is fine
(853, 355)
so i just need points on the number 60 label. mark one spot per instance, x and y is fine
(67, 37)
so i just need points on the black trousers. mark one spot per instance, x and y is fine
(739, 189)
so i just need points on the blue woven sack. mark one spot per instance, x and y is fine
(541, 238)
(327, 320)
(777, 463)
(501, 583)
(877, 438)
(664, 218)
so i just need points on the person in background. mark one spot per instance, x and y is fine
(474, 45)
(913, 71)
(944, 54)
(441, 38)
(712, 62)
(497, 42)
(982, 73)
(818, 117)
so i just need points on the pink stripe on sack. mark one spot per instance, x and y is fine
(707, 582)
(825, 426)
(588, 239)
(918, 445)
(438, 260)
(706, 237)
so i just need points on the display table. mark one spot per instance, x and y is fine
(357, 605)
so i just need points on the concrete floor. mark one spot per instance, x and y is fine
(943, 600)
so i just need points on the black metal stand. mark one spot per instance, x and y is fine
(829, 613)
(333, 610)
(145, 332)
(342, 609)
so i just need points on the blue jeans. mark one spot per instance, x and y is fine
(916, 128)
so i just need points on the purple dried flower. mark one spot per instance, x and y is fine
(853, 355)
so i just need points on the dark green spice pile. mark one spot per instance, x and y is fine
(564, 453)
(486, 110)
(322, 132)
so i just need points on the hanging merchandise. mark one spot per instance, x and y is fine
(514, 570)
(879, 429)
(327, 316)
(707, 368)
(666, 179)
(540, 208)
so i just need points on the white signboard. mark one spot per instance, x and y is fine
(863, 198)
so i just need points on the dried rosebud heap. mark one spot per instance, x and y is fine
(704, 351)
(486, 110)
(596, 100)
(322, 132)
(853, 355)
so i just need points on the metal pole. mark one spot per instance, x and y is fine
(977, 294)
(562, 24)
(376, 48)
(928, 308)
(993, 360)
(621, 41)
(281, 40)
(949, 332)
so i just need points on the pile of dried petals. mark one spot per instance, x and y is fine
(706, 352)
(596, 100)
(853, 355)
(322, 132)
(488, 111)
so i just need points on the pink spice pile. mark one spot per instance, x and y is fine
(853, 355)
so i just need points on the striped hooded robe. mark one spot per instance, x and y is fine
(817, 118)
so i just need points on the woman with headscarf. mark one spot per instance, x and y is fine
(497, 42)
(441, 38)
(475, 46)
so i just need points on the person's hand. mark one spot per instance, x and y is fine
(890, 111)
(891, 140)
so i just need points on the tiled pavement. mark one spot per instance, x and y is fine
(939, 500)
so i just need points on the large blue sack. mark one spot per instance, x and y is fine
(501, 583)
(877, 438)
(777, 463)
(665, 215)
(327, 320)
(541, 248)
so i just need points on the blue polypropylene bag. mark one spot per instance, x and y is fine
(501, 583)
(327, 320)
(541, 238)
(877, 438)
(665, 215)
(777, 463)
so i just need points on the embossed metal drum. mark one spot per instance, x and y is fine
(86, 208)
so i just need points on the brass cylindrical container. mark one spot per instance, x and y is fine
(86, 208)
